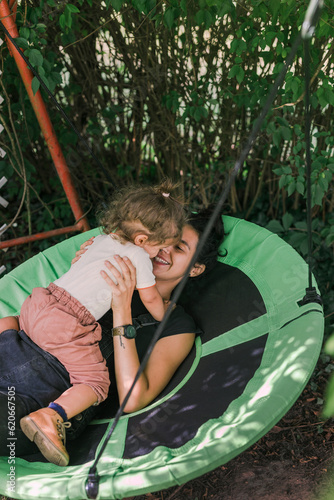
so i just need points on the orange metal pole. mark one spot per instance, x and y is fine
(44, 121)
(39, 236)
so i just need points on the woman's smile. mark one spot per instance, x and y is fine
(171, 262)
(160, 260)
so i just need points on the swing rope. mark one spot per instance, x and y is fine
(92, 483)
(56, 103)
(311, 293)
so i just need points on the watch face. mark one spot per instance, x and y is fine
(130, 332)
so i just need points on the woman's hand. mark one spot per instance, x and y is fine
(122, 291)
(82, 250)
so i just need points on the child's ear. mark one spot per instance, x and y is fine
(197, 270)
(140, 239)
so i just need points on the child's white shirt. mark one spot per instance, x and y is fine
(84, 281)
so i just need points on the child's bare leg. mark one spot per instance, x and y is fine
(9, 323)
(47, 426)
(76, 399)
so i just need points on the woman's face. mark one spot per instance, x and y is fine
(171, 263)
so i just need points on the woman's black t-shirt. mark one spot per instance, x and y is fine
(179, 322)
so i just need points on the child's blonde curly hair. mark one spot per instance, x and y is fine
(153, 207)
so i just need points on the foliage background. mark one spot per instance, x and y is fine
(172, 88)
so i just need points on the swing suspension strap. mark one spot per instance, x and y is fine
(92, 483)
(59, 107)
(311, 292)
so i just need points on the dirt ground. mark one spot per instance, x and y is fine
(294, 461)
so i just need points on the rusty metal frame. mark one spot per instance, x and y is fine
(7, 16)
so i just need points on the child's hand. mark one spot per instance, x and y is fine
(82, 250)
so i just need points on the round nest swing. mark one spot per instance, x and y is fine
(259, 348)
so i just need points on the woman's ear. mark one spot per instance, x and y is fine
(140, 239)
(197, 270)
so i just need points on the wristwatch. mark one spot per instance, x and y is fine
(127, 331)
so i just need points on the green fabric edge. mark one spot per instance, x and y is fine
(76, 476)
(212, 447)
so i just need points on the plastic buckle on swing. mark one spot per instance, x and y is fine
(92, 485)
(311, 296)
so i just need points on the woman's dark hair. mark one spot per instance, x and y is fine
(210, 251)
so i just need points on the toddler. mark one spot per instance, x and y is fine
(62, 318)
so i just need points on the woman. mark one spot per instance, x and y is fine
(38, 377)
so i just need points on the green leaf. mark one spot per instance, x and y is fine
(277, 138)
(274, 6)
(25, 32)
(68, 17)
(301, 225)
(329, 96)
(323, 183)
(287, 220)
(329, 239)
(314, 101)
(286, 133)
(282, 181)
(183, 5)
(233, 71)
(56, 77)
(300, 187)
(208, 19)
(329, 346)
(35, 57)
(169, 17)
(291, 188)
(35, 85)
(72, 8)
(22, 42)
(199, 17)
(275, 227)
(328, 410)
(62, 21)
(317, 195)
(226, 6)
(117, 4)
(240, 75)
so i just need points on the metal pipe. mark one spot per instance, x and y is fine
(39, 236)
(44, 121)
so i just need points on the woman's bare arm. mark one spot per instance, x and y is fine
(165, 358)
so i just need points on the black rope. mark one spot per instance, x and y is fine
(308, 154)
(92, 484)
(312, 15)
(54, 100)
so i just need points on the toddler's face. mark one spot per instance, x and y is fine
(153, 248)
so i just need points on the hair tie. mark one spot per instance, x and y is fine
(166, 195)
